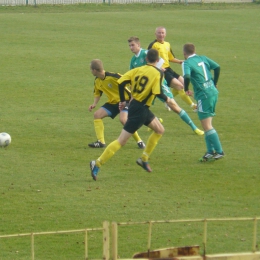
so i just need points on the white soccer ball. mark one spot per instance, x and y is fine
(5, 139)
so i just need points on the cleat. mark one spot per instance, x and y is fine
(198, 131)
(144, 165)
(167, 107)
(97, 144)
(194, 107)
(141, 145)
(217, 156)
(94, 170)
(208, 157)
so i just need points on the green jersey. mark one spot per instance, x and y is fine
(139, 59)
(199, 69)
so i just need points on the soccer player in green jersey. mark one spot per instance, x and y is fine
(174, 80)
(146, 84)
(197, 70)
(106, 83)
(139, 59)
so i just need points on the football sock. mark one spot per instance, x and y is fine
(111, 149)
(185, 117)
(136, 137)
(212, 139)
(175, 92)
(184, 97)
(209, 145)
(151, 144)
(99, 128)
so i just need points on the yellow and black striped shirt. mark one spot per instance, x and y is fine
(145, 83)
(109, 86)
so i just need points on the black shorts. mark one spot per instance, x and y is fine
(113, 109)
(138, 115)
(169, 74)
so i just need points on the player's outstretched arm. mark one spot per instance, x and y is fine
(177, 61)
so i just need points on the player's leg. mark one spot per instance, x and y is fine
(113, 147)
(99, 127)
(175, 81)
(179, 90)
(123, 118)
(110, 150)
(212, 139)
(184, 116)
(206, 111)
(166, 91)
(158, 130)
(134, 122)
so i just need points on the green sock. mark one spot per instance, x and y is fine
(213, 139)
(209, 146)
(185, 117)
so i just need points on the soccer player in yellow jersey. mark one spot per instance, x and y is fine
(173, 79)
(106, 83)
(145, 85)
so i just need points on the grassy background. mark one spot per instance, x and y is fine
(46, 88)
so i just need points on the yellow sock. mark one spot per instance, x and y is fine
(175, 92)
(111, 149)
(151, 144)
(137, 137)
(99, 128)
(184, 97)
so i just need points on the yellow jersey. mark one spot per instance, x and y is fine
(109, 86)
(145, 83)
(165, 51)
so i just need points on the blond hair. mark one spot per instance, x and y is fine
(160, 27)
(97, 65)
(134, 39)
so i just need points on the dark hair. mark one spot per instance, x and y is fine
(152, 56)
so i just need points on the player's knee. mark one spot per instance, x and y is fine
(160, 130)
(99, 114)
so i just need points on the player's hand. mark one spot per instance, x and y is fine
(91, 107)
(121, 105)
(189, 93)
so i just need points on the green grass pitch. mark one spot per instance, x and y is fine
(46, 88)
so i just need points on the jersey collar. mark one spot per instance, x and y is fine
(137, 55)
(192, 55)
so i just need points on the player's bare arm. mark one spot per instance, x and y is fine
(96, 100)
(177, 61)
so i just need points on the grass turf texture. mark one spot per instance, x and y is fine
(46, 88)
